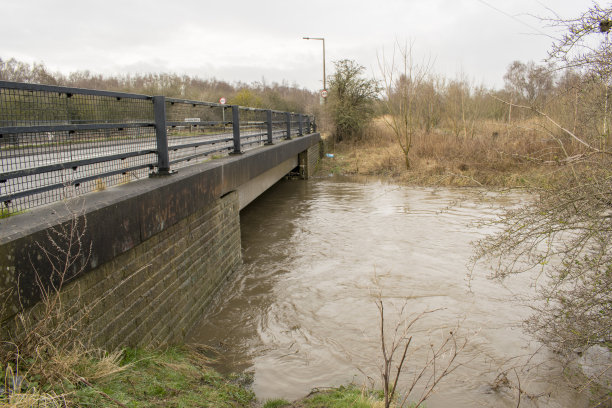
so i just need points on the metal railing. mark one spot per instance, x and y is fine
(58, 142)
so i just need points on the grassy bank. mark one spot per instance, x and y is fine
(342, 397)
(175, 377)
(495, 156)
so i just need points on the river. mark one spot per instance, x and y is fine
(300, 312)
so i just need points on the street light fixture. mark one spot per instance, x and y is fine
(320, 39)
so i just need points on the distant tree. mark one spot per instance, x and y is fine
(351, 99)
(276, 96)
(17, 71)
(430, 108)
(246, 97)
(530, 83)
(403, 79)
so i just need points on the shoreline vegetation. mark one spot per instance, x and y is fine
(496, 157)
(139, 377)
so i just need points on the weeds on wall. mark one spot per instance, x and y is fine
(45, 350)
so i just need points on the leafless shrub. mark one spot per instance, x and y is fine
(403, 80)
(403, 376)
(565, 235)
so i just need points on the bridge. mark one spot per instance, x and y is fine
(129, 204)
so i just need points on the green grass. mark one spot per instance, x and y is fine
(5, 213)
(342, 397)
(277, 403)
(170, 378)
(175, 377)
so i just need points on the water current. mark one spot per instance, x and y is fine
(300, 312)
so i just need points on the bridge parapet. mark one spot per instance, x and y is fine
(59, 142)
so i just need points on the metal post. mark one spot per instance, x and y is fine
(236, 128)
(324, 79)
(300, 129)
(163, 160)
(288, 119)
(269, 123)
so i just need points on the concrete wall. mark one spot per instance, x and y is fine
(309, 160)
(147, 256)
(154, 293)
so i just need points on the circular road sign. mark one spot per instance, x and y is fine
(324, 93)
(222, 101)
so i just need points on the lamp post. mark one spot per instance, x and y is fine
(320, 39)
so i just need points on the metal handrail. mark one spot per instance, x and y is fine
(54, 138)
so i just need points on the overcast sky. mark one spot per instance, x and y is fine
(251, 40)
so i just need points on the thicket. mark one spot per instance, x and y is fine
(431, 129)
(565, 235)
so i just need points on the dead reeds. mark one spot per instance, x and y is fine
(527, 154)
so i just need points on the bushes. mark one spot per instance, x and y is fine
(351, 100)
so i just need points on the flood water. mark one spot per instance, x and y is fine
(300, 312)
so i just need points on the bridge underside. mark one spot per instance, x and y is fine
(253, 188)
(159, 247)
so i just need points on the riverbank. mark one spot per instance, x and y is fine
(495, 157)
(174, 377)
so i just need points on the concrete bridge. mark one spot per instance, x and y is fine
(139, 263)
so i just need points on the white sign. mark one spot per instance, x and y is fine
(222, 101)
(192, 119)
(324, 93)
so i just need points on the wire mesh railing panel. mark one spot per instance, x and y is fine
(37, 105)
(39, 168)
(296, 124)
(58, 142)
(197, 131)
(253, 128)
(279, 125)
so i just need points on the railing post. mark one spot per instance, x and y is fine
(163, 159)
(288, 119)
(269, 123)
(236, 128)
(314, 125)
(300, 129)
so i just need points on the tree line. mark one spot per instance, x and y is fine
(427, 101)
(261, 94)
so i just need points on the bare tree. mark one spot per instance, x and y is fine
(402, 79)
(576, 50)
(565, 234)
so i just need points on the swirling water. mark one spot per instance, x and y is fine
(300, 312)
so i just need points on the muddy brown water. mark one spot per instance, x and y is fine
(300, 312)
